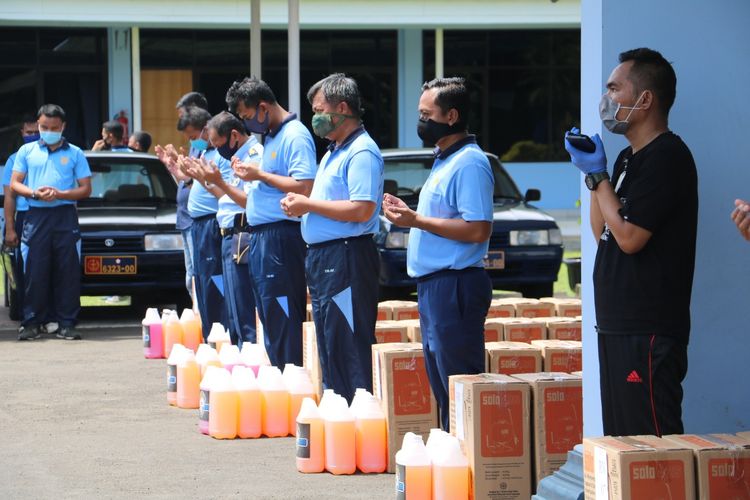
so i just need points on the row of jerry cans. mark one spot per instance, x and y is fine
(231, 400)
(161, 333)
(438, 470)
(340, 438)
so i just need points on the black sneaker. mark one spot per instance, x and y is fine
(30, 333)
(68, 333)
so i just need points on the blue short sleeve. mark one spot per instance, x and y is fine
(20, 164)
(363, 176)
(302, 163)
(8, 170)
(82, 169)
(471, 192)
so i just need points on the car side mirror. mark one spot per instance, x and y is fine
(532, 195)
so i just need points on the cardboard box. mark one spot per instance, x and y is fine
(577, 374)
(489, 414)
(310, 358)
(413, 330)
(499, 308)
(309, 313)
(493, 330)
(390, 331)
(528, 308)
(557, 416)
(401, 309)
(636, 467)
(384, 312)
(522, 329)
(513, 357)
(567, 308)
(560, 328)
(722, 464)
(399, 380)
(744, 435)
(560, 355)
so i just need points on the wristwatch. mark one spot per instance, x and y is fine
(593, 180)
(33, 194)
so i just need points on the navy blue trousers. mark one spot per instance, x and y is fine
(342, 276)
(51, 246)
(209, 281)
(18, 267)
(453, 307)
(277, 266)
(238, 292)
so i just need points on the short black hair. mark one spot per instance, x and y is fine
(338, 88)
(251, 91)
(225, 122)
(451, 93)
(51, 111)
(28, 118)
(193, 116)
(144, 139)
(115, 128)
(192, 99)
(650, 71)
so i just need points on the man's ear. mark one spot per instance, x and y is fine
(647, 99)
(452, 116)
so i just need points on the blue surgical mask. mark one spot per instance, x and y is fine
(31, 138)
(50, 137)
(199, 144)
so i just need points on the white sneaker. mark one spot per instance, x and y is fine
(51, 327)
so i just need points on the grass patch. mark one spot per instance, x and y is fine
(561, 285)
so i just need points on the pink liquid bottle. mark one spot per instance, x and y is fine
(450, 471)
(230, 357)
(274, 402)
(249, 414)
(310, 442)
(204, 404)
(153, 336)
(413, 469)
(174, 358)
(370, 435)
(224, 407)
(339, 430)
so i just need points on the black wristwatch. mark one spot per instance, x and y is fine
(593, 180)
(33, 194)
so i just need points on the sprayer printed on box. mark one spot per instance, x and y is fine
(520, 332)
(410, 386)
(657, 479)
(563, 418)
(501, 417)
(563, 362)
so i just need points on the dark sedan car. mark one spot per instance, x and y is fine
(525, 246)
(129, 244)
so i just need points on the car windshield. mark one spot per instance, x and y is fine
(124, 181)
(404, 177)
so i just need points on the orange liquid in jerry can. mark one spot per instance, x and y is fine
(450, 471)
(218, 337)
(188, 381)
(340, 437)
(174, 358)
(248, 392)
(172, 333)
(299, 385)
(310, 438)
(222, 414)
(370, 435)
(191, 330)
(274, 402)
(413, 469)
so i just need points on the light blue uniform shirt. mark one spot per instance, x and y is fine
(60, 169)
(250, 151)
(21, 204)
(288, 151)
(460, 185)
(201, 202)
(352, 171)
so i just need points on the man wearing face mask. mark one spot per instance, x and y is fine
(15, 207)
(205, 231)
(113, 138)
(52, 175)
(227, 134)
(340, 219)
(644, 221)
(277, 251)
(449, 238)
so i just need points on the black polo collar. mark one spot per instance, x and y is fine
(442, 155)
(350, 138)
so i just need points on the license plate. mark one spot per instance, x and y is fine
(115, 264)
(494, 260)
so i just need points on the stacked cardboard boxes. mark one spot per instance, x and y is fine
(310, 358)
(560, 328)
(413, 329)
(528, 308)
(513, 357)
(568, 308)
(500, 308)
(493, 329)
(400, 309)
(390, 331)
(560, 355)
(523, 329)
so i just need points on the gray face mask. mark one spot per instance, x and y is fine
(608, 110)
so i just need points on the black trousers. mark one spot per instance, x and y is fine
(641, 384)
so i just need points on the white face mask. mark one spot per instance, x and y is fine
(608, 110)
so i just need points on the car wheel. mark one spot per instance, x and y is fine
(538, 290)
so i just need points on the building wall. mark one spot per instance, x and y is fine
(709, 48)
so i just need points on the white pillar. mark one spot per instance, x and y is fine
(119, 73)
(135, 64)
(410, 79)
(293, 51)
(255, 57)
(439, 70)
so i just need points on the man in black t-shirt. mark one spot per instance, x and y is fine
(645, 222)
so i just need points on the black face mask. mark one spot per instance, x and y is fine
(226, 151)
(431, 131)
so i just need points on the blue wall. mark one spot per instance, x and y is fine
(557, 181)
(709, 46)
